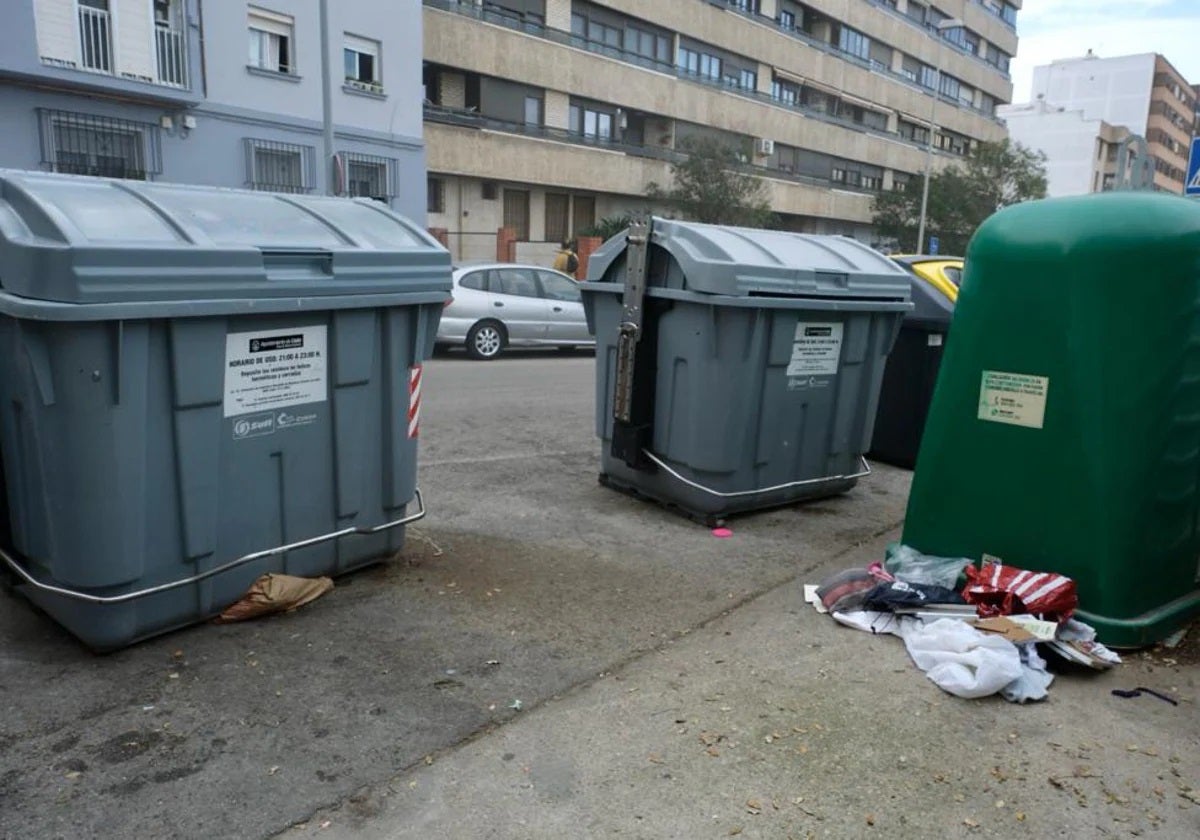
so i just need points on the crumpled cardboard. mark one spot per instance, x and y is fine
(274, 593)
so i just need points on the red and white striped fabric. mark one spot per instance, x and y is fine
(414, 401)
(996, 589)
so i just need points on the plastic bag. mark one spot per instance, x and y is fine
(910, 565)
(961, 660)
(899, 593)
(996, 589)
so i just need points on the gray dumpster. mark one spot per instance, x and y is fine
(737, 369)
(200, 386)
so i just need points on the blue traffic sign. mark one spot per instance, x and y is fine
(1192, 185)
(933, 246)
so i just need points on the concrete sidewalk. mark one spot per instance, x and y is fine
(772, 721)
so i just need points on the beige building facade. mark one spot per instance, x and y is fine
(549, 115)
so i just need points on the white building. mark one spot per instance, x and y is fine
(1081, 153)
(1143, 93)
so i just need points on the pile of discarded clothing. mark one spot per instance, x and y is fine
(974, 631)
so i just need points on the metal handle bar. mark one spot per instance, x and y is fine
(659, 462)
(232, 564)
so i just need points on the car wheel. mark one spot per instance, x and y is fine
(485, 340)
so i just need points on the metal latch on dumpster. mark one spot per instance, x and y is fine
(633, 394)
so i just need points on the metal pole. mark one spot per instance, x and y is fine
(937, 85)
(327, 101)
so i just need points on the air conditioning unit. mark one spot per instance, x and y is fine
(766, 146)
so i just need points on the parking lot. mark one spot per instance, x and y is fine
(547, 659)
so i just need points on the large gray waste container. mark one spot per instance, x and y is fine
(742, 366)
(199, 386)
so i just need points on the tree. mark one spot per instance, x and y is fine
(708, 187)
(993, 176)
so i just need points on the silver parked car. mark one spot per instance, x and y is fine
(497, 305)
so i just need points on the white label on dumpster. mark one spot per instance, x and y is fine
(273, 369)
(1018, 399)
(816, 350)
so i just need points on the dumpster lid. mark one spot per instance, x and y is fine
(93, 240)
(722, 260)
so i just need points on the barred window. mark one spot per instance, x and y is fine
(279, 167)
(369, 176)
(84, 144)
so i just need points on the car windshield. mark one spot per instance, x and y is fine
(954, 273)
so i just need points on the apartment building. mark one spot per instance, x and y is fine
(218, 92)
(1081, 154)
(1143, 93)
(547, 115)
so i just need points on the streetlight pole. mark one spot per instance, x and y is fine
(937, 92)
(331, 188)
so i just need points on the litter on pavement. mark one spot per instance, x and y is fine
(273, 593)
(974, 631)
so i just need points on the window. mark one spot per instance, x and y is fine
(1008, 13)
(914, 132)
(516, 213)
(949, 86)
(854, 42)
(601, 33)
(489, 190)
(271, 37)
(361, 59)
(170, 43)
(533, 110)
(584, 216)
(82, 144)
(95, 35)
(699, 64)
(513, 281)
(785, 92)
(872, 182)
(94, 151)
(750, 6)
(557, 287)
(838, 175)
(928, 76)
(648, 44)
(279, 167)
(787, 20)
(900, 182)
(557, 210)
(476, 280)
(435, 195)
(590, 123)
(368, 176)
(748, 80)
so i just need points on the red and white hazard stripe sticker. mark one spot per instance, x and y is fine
(414, 400)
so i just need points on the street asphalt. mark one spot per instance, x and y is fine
(550, 659)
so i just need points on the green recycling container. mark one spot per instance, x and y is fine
(1064, 433)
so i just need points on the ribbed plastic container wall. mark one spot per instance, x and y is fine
(192, 375)
(765, 381)
(1064, 433)
(910, 375)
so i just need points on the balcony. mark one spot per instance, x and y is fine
(171, 48)
(469, 9)
(469, 118)
(95, 39)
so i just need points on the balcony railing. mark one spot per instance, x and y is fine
(470, 118)
(171, 46)
(95, 39)
(515, 22)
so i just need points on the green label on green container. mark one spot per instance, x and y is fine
(1018, 399)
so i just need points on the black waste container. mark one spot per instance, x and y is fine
(911, 373)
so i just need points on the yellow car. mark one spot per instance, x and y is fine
(943, 273)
